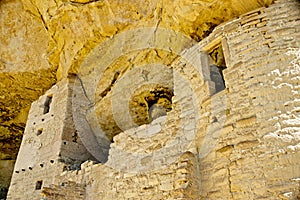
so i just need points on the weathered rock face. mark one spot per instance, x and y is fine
(6, 168)
(44, 41)
(25, 72)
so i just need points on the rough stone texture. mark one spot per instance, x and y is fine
(42, 41)
(24, 71)
(257, 152)
(67, 190)
(238, 143)
(6, 168)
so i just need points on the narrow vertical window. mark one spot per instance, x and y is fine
(47, 104)
(217, 65)
(38, 185)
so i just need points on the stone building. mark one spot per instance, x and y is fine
(215, 119)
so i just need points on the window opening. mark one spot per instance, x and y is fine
(216, 66)
(39, 132)
(38, 185)
(47, 104)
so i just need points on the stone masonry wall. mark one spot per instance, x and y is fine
(257, 154)
(48, 146)
(176, 181)
(239, 143)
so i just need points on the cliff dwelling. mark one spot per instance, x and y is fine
(155, 99)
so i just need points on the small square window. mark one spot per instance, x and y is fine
(38, 185)
(39, 132)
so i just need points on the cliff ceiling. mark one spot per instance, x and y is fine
(43, 41)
